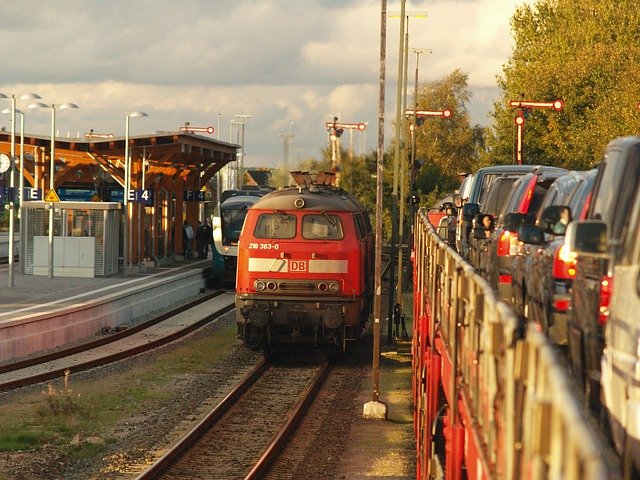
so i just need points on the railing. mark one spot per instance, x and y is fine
(509, 411)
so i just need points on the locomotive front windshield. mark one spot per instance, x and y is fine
(232, 220)
(277, 225)
(322, 227)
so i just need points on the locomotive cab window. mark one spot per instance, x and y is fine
(322, 227)
(275, 225)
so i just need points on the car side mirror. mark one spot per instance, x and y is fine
(481, 233)
(513, 221)
(470, 210)
(588, 237)
(531, 234)
(554, 219)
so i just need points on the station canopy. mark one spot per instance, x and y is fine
(192, 157)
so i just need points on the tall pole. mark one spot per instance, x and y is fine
(52, 171)
(396, 164)
(20, 192)
(412, 162)
(242, 122)
(11, 189)
(375, 409)
(403, 158)
(125, 202)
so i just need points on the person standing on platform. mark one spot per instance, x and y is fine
(187, 240)
(208, 236)
(200, 240)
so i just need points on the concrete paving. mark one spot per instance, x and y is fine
(39, 313)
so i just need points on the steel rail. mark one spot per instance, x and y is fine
(197, 432)
(59, 372)
(48, 357)
(278, 444)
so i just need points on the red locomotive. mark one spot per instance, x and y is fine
(305, 266)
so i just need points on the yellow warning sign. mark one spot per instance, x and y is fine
(96, 198)
(52, 196)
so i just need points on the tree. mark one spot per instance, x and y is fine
(586, 52)
(445, 147)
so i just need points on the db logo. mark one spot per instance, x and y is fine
(298, 265)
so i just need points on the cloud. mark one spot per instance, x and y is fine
(282, 61)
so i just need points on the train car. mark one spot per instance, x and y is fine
(227, 221)
(305, 267)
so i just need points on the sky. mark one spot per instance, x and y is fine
(285, 66)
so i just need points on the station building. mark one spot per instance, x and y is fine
(172, 175)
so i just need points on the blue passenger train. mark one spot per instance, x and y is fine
(227, 221)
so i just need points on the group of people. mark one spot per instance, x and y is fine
(203, 237)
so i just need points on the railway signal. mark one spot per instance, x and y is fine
(526, 105)
(189, 129)
(336, 129)
(446, 113)
(92, 134)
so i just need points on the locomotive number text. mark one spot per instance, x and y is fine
(263, 246)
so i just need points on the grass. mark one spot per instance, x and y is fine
(93, 408)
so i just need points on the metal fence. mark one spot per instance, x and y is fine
(510, 413)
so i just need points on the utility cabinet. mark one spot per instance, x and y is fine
(86, 238)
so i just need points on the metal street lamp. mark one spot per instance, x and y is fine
(52, 167)
(241, 122)
(20, 184)
(125, 201)
(26, 96)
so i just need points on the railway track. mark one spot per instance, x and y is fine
(143, 337)
(248, 429)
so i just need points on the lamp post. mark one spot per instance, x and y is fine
(241, 122)
(403, 45)
(52, 167)
(26, 96)
(125, 200)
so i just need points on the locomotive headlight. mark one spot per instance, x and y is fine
(259, 285)
(322, 287)
(334, 287)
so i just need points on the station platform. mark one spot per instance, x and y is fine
(40, 313)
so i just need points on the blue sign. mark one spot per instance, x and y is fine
(194, 196)
(141, 196)
(29, 193)
(68, 194)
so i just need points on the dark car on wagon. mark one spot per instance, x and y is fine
(495, 199)
(620, 362)
(615, 188)
(543, 269)
(521, 208)
(477, 189)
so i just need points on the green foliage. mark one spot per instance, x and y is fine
(18, 440)
(586, 52)
(446, 147)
